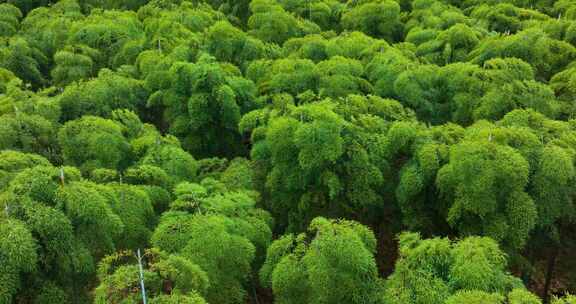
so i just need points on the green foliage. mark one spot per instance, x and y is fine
(73, 64)
(379, 18)
(95, 222)
(325, 13)
(51, 293)
(485, 183)
(176, 164)
(269, 22)
(230, 44)
(206, 218)
(568, 299)
(341, 77)
(521, 296)
(200, 131)
(319, 159)
(545, 54)
(201, 239)
(93, 142)
(102, 95)
(11, 162)
(115, 34)
(75, 223)
(204, 104)
(28, 133)
(24, 60)
(28, 5)
(293, 76)
(416, 193)
(238, 175)
(443, 47)
(18, 256)
(505, 17)
(472, 270)
(10, 17)
(135, 209)
(335, 264)
(169, 279)
(474, 297)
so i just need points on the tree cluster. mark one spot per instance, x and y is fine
(288, 151)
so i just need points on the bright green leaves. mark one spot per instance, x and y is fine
(134, 207)
(463, 92)
(75, 223)
(310, 142)
(178, 165)
(284, 76)
(204, 104)
(325, 13)
(178, 299)
(521, 296)
(463, 136)
(168, 279)
(505, 17)
(516, 296)
(333, 264)
(419, 89)
(212, 242)
(94, 220)
(23, 59)
(173, 26)
(93, 142)
(432, 14)
(270, 23)
(552, 183)
(517, 95)
(451, 45)
(384, 69)
(356, 45)
(113, 33)
(342, 77)
(28, 133)
(478, 263)
(228, 269)
(568, 299)
(475, 297)
(437, 270)
(564, 86)
(552, 164)
(335, 77)
(230, 44)
(415, 191)
(219, 230)
(545, 54)
(318, 138)
(379, 19)
(9, 19)
(74, 64)
(11, 162)
(485, 183)
(326, 157)
(102, 95)
(17, 255)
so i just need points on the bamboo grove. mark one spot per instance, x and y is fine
(288, 151)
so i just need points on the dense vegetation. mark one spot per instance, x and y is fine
(288, 151)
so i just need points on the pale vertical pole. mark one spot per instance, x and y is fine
(141, 277)
(62, 176)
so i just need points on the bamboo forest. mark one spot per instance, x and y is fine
(288, 151)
